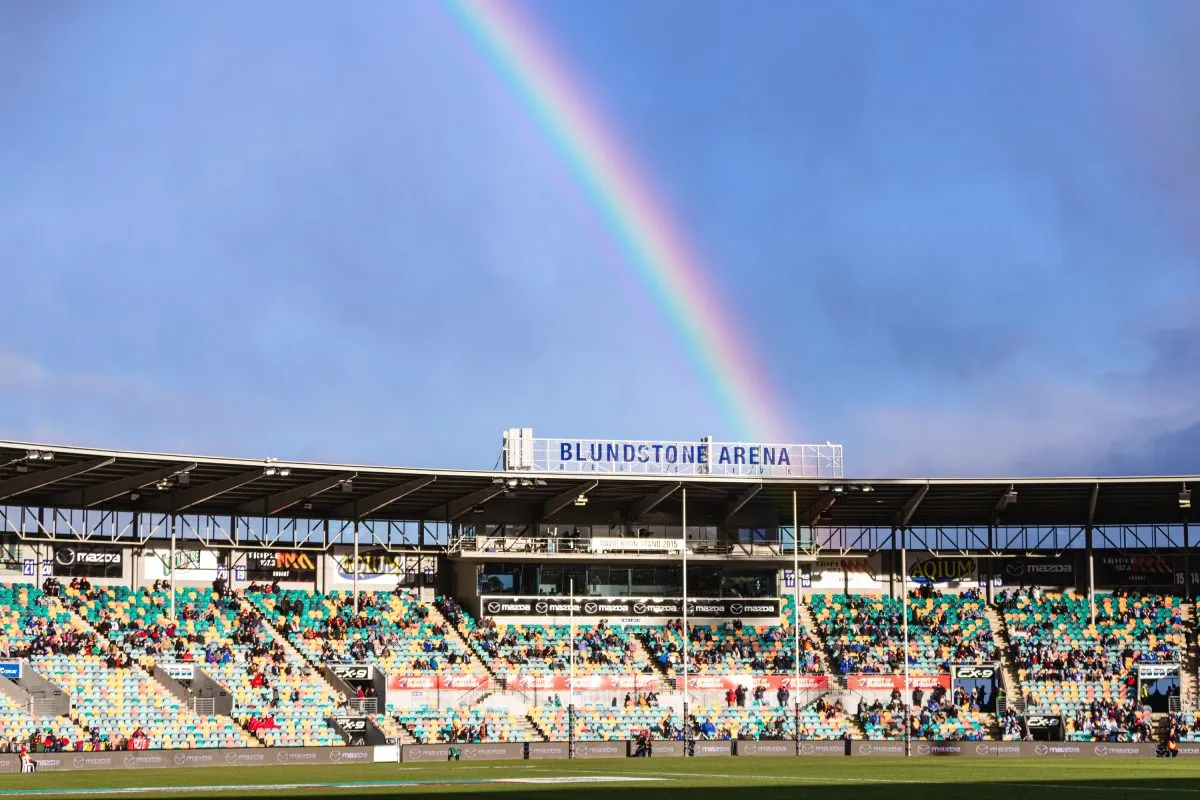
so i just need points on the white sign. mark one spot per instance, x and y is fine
(522, 452)
(617, 544)
(180, 672)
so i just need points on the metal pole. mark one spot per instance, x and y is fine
(687, 727)
(1092, 585)
(355, 567)
(796, 610)
(173, 519)
(571, 684)
(1187, 570)
(904, 606)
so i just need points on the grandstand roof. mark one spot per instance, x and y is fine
(132, 481)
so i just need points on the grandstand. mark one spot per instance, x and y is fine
(163, 603)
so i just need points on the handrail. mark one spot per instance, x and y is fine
(612, 545)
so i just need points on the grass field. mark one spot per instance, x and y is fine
(660, 779)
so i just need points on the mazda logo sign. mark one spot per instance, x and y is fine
(1040, 749)
(64, 556)
(541, 607)
(735, 609)
(589, 608)
(493, 608)
(639, 608)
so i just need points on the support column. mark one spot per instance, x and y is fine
(987, 589)
(796, 611)
(1187, 567)
(907, 698)
(687, 726)
(356, 567)
(174, 518)
(1091, 561)
(571, 683)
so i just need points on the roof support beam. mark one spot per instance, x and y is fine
(740, 502)
(906, 513)
(281, 501)
(560, 501)
(95, 495)
(45, 477)
(456, 508)
(180, 501)
(1091, 518)
(648, 504)
(365, 506)
(814, 512)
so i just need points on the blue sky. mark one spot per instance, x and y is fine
(964, 237)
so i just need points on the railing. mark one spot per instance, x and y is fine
(616, 545)
(363, 705)
(202, 706)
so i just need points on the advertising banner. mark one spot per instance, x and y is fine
(770, 682)
(867, 681)
(630, 607)
(1116, 570)
(280, 565)
(216, 758)
(353, 672)
(632, 682)
(846, 574)
(957, 569)
(11, 670)
(672, 748)
(981, 679)
(88, 561)
(180, 672)
(191, 564)
(600, 749)
(620, 544)
(548, 750)
(1045, 727)
(354, 728)
(440, 681)
(1156, 671)
(701, 748)
(470, 752)
(1024, 571)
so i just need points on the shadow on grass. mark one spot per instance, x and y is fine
(793, 789)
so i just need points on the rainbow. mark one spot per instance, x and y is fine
(656, 250)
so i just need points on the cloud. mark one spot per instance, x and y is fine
(1138, 422)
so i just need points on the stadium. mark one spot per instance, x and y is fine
(278, 275)
(564, 619)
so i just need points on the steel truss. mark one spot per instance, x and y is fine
(242, 532)
(229, 532)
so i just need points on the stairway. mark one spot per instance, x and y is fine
(528, 731)
(279, 636)
(1016, 692)
(453, 632)
(807, 620)
(1189, 685)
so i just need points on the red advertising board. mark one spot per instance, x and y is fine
(770, 682)
(429, 682)
(584, 683)
(864, 681)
